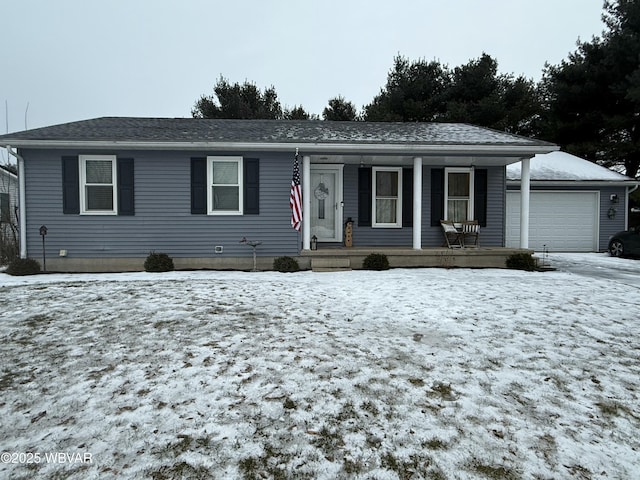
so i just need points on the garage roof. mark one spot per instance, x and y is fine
(562, 166)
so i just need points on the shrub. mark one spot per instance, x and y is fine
(158, 262)
(23, 266)
(521, 261)
(286, 264)
(376, 261)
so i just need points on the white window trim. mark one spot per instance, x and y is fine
(83, 184)
(210, 161)
(471, 172)
(398, 223)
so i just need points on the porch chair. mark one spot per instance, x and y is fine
(470, 233)
(452, 235)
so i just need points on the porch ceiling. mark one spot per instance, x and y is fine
(407, 160)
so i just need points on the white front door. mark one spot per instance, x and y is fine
(326, 202)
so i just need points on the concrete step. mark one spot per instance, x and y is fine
(331, 264)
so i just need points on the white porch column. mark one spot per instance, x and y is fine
(417, 203)
(525, 186)
(306, 203)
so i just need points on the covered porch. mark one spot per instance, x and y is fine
(344, 258)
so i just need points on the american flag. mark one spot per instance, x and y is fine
(295, 199)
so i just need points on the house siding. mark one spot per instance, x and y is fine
(163, 221)
(491, 235)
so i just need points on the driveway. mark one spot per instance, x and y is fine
(598, 265)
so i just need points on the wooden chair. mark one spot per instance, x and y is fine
(470, 233)
(452, 235)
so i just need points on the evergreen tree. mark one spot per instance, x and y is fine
(340, 109)
(238, 101)
(592, 99)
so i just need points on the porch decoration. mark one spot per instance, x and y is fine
(348, 233)
(254, 244)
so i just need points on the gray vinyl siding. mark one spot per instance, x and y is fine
(609, 226)
(163, 221)
(491, 235)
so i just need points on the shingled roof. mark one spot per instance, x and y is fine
(188, 131)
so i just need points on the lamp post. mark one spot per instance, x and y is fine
(43, 233)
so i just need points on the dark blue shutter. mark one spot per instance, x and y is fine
(70, 185)
(437, 196)
(251, 186)
(364, 197)
(199, 186)
(480, 196)
(407, 197)
(126, 202)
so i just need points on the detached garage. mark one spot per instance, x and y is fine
(574, 206)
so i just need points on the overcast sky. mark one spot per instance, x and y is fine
(68, 60)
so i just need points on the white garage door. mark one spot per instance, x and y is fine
(563, 221)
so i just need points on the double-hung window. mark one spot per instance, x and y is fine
(98, 192)
(387, 197)
(224, 179)
(458, 194)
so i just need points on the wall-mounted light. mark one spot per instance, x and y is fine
(614, 198)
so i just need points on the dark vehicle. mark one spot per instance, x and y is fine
(625, 243)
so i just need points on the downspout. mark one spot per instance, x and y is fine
(630, 190)
(22, 210)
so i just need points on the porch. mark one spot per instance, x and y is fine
(343, 258)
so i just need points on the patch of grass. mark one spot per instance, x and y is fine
(6, 379)
(414, 466)
(491, 470)
(36, 321)
(442, 390)
(329, 442)
(289, 404)
(370, 407)
(435, 444)
(178, 471)
(416, 382)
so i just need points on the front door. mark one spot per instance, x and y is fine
(326, 202)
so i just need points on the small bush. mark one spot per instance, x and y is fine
(376, 261)
(158, 262)
(23, 266)
(286, 264)
(521, 261)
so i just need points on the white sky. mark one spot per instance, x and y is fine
(71, 60)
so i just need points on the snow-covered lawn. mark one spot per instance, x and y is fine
(426, 373)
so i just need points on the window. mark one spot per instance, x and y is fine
(387, 197)
(224, 179)
(5, 209)
(458, 193)
(98, 185)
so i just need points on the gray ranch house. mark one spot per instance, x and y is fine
(110, 190)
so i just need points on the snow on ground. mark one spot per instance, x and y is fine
(426, 373)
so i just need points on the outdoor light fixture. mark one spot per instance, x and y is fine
(314, 243)
(43, 233)
(613, 198)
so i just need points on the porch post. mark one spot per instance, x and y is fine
(306, 203)
(525, 186)
(417, 203)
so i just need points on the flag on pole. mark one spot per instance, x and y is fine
(295, 199)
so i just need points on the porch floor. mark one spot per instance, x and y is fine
(347, 258)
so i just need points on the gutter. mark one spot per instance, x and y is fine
(501, 149)
(21, 202)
